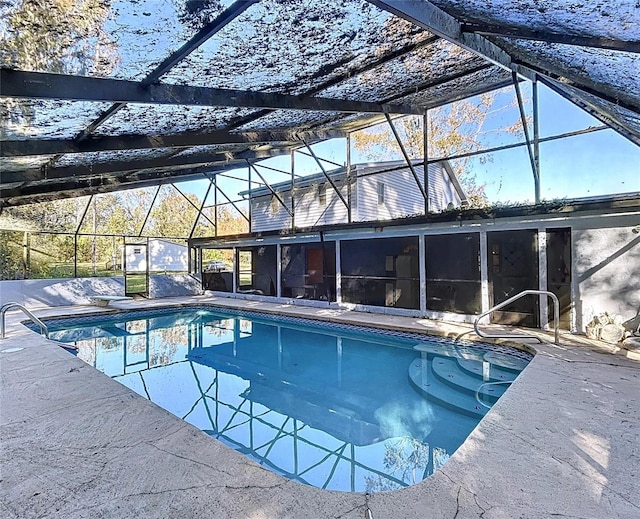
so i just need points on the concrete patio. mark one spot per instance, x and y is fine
(564, 441)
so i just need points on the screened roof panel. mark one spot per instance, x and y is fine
(144, 119)
(413, 70)
(45, 118)
(294, 46)
(481, 81)
(616, 19)
(283, 119)
(8, 164)
(144, 33)
(120, 39)
(212, 148)
(610, 70)
(103, 157)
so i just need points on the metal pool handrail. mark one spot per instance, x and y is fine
(556, 317)
(7, 306)
(489, 384)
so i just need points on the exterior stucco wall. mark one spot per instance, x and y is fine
(606, 273)
(34, 293)
(58, 292)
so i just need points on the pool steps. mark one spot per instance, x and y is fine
(453, 382)
(496, 372)
(449, 373)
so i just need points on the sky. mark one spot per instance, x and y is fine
(594, 164)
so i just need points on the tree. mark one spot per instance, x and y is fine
(64, 36)
(10, 255)
(405, 459)
(229, 224)
(172, 215)
(453, 129)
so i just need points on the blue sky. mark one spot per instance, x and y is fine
(599, 163)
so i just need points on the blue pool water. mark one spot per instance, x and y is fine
(333, 406)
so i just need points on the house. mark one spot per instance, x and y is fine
(454, 265)
(374, 191)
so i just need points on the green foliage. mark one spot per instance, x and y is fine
(50, 227)
(453, 129)
(173, 215)
(11, 265)
(230, 223)
(64, 36)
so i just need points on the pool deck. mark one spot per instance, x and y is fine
(564, 441)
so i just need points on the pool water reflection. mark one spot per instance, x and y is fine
(329, 407)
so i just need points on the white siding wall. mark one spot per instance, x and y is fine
(402, 196)
(268, 214)
(441, 190)
(309, 212)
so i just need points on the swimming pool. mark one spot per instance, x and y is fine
(334, 406)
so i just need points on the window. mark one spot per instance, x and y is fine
(380, 193)
(322, 195)
(137, 250)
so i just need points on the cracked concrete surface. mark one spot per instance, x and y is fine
(564, 441)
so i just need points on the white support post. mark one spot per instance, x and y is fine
(542, 277)
(338, 274)
(422, 265)
(279, 347)
(235, 268)
(278, 270)
(484, 271)
(576, 320)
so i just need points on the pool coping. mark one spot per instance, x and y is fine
(531, 456)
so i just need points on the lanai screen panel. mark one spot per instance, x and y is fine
(598, 18)
(144, 119)
(295, 47)
(24, 119)
(350, 50)
(381, 272)
(453, 273)
(117, 39)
